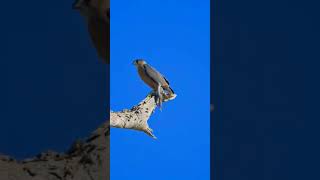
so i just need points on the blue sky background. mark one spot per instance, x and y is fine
(265, 79)
(53, 87)
(173, 36)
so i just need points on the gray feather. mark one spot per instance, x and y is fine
(154, 74)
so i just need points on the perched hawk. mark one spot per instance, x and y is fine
(97, 15)
(154, 79)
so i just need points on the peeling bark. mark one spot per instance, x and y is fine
(137, 117)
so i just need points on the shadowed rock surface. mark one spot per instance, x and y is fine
(85, 160)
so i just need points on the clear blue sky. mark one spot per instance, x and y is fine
(173, 36)
(53, 88)
(266, 86)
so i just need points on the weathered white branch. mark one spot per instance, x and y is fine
(136, 118)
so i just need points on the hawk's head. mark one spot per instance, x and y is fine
(139, 62)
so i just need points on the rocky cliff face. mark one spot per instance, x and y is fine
(85, 160)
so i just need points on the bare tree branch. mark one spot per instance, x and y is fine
(85, 160)
(137, 117)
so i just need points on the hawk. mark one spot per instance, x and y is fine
(97, 15)
(154, 79)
